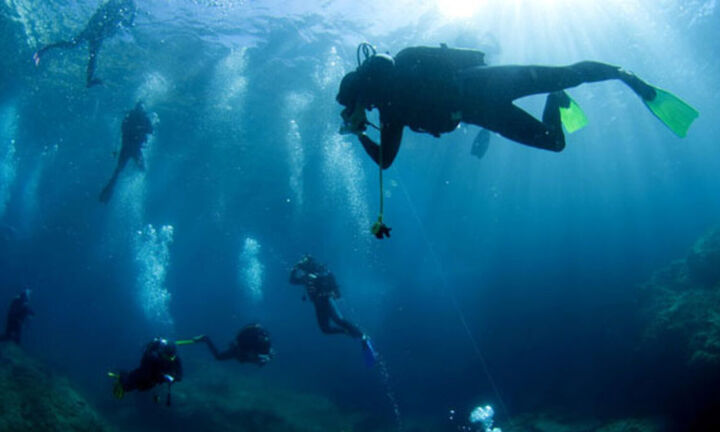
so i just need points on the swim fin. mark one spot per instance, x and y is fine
(118, 389)
(572, 116)
(369, 354)
(675, 113)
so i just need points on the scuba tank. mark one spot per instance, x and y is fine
(444, 57)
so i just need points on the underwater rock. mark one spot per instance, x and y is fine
(232, 399)
(32, 399)
(682, 304)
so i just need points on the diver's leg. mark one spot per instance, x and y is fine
(515, 124)
(13, 332)
(323, 311)
(129, 381)
(212, 348)
(346, 325)
(107, 191)
(513, 82)
(62, 44)
(93, 49)
(138, 379)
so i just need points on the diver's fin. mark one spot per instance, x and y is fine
(572, 116)
(118, 389)
(675, 113)
(106, 193)
(369, 354)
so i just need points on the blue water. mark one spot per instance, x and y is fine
(525, 261)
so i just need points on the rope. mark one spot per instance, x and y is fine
(456, 305)
(382, 198)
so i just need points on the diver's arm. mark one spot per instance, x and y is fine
(294, 278)
(213, 349)
(390, 137)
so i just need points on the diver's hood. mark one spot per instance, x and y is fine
(349, 90)
(376, 69)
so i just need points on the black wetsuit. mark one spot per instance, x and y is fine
(322, 289)
(136, 127)
(251, 345)
(18, 312)
(155, 368)
(104, 23)
(432, 90)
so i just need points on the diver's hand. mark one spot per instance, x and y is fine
(348, 129)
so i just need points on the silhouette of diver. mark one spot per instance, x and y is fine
(18, 312)
(136, 127)
(251, 345)
(433, 89)
(105, 22)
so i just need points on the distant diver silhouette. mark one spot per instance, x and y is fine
(136, 127)
(105, 22)
(18, 313)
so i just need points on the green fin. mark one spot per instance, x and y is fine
(573, 117)
(186, 342)
(672, 111)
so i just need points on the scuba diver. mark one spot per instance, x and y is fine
(251, 345)
(160, 364)
(18, 312)
(105, 22)
(433, 89)
(322, 290)
(136, 127)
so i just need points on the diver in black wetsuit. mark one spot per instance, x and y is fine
(432, 90)
(18, 312)
(159, 365)
(105, 22)
(251, 345)
(322, 289)
(136, 127)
